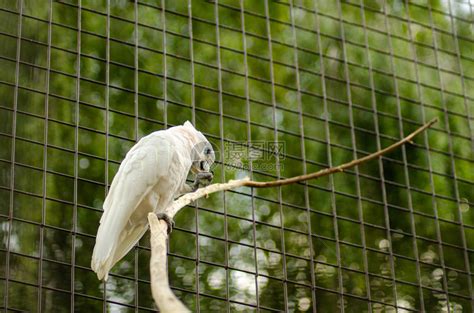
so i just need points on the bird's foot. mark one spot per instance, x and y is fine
(169, 221)
(202, 180)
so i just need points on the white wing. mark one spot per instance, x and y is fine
(130, 192)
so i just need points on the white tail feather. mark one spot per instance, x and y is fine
(102, 263)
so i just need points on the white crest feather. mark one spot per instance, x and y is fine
(188, 124)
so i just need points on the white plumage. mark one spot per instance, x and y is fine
(150, 177)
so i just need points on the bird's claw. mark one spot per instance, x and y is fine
(202, 179)
(169, 221)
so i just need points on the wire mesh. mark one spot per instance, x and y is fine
(280, 88)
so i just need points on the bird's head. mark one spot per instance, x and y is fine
(202, 153)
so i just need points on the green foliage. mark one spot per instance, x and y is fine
(338, 79)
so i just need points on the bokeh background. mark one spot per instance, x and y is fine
(323, 81)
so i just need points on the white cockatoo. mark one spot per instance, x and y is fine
(150, 177)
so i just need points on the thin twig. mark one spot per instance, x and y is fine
(340, 168)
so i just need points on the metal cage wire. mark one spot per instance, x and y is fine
(30, 279)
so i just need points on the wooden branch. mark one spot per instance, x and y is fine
(193, 196)
(164, 297)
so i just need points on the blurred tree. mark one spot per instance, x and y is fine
(337, 78)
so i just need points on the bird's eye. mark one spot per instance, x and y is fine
(207, 151)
